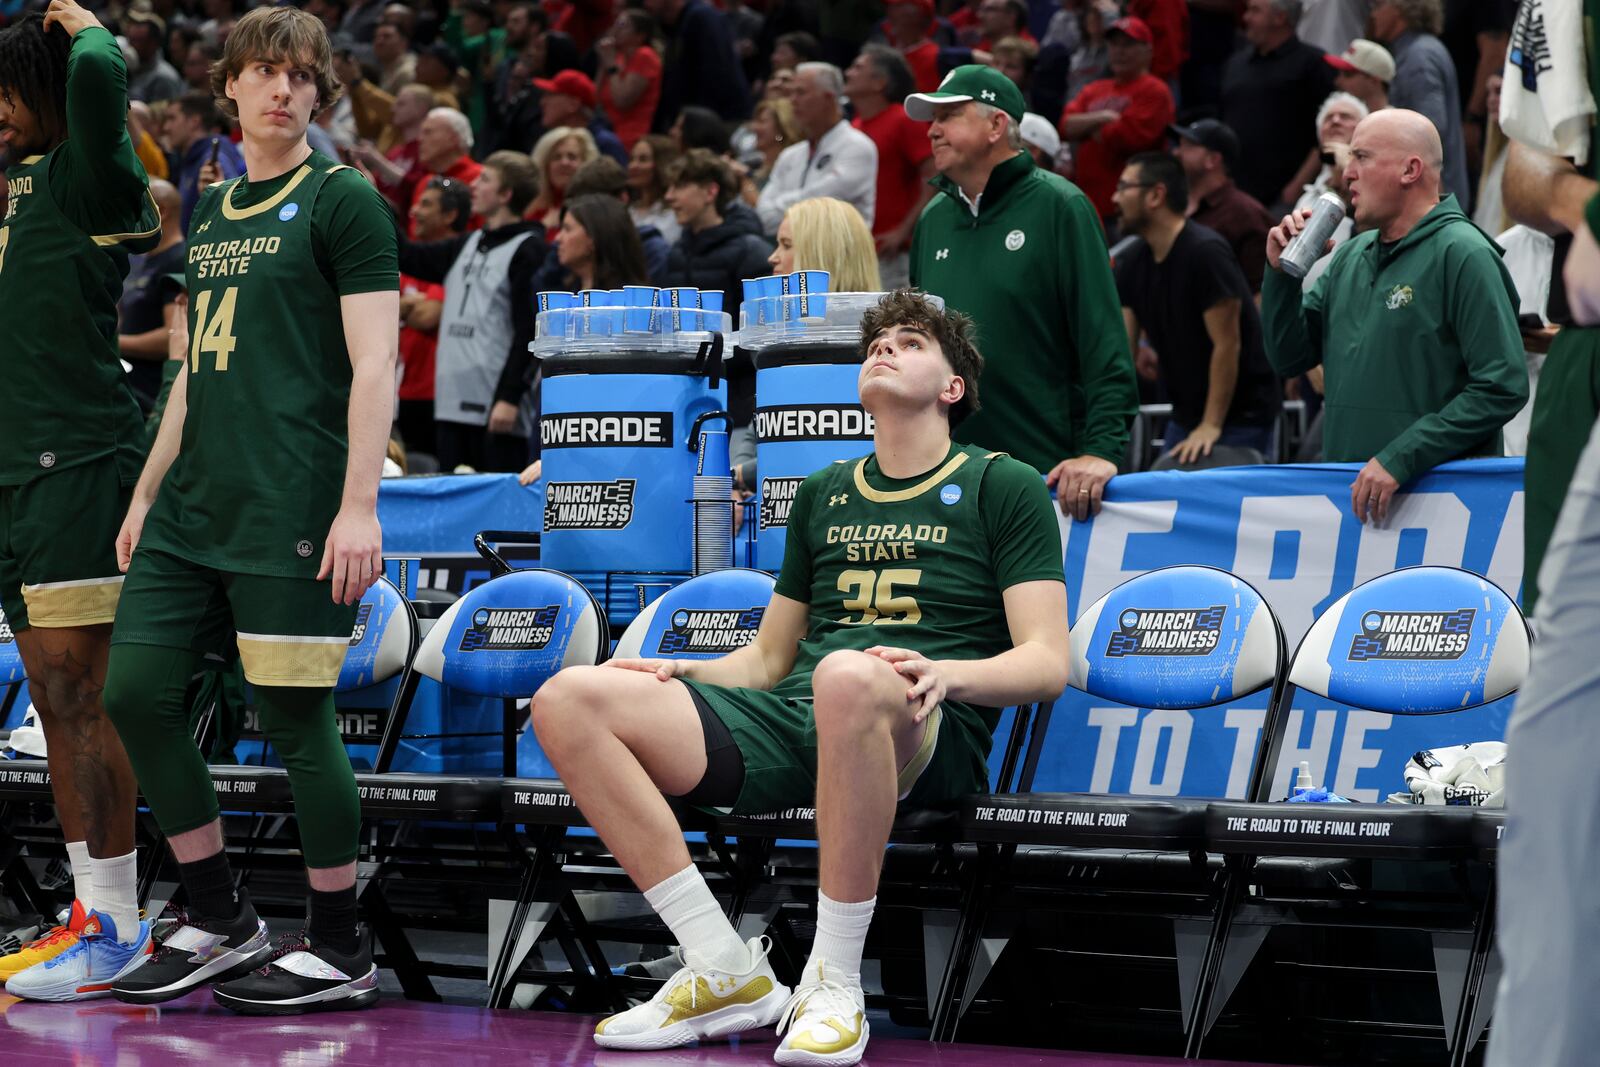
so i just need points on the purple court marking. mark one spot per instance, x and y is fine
(411, 1034)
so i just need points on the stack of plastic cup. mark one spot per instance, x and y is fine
(558, 324)
(808, 298)
(638, 308)
(713, 508)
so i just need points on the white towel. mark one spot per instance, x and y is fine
(1546, 102)
(1470, 775)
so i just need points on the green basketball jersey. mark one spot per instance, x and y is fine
(260, 472)
(917, 563)
(67, 399)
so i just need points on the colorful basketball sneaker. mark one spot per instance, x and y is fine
(87, 969)
(697, 1003)
(46, 948)
(197, 952)
(304, 978)
(824, 1024)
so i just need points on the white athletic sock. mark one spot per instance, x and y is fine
(841, 935)
(686, 905)
(116, 893)
(82, 880)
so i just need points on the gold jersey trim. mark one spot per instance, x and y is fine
(105, 240)
(86, 602)
(880, 496)
(906, 781)
(277, 659)
(28, 161)
(234, 214)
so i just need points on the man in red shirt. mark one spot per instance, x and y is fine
(1169, 27)
(442, 210)
(999, 19)
(442, 149)
(1116, 118)
(876, 83)
(910, 29)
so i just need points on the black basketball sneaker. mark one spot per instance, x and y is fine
(303, 977)
(198, 951)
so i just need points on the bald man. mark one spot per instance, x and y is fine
(145, 311)
(1414, 321)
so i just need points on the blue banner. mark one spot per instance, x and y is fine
(1290, 532)
(432, 514)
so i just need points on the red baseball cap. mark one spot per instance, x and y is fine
(1132, 27)
(573, 83)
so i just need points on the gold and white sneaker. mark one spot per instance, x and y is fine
(698, 1003)
(823, 1025)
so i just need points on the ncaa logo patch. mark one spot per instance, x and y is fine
(1414, 635)
(950, 493)
(1015, 240)
(287, 212)
(304, 549)
(47, 460)
(1166, 632)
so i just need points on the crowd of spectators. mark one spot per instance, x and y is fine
(595, 143)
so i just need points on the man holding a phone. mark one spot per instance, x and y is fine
(197, 133)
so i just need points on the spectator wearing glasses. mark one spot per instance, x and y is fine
(1183, 288)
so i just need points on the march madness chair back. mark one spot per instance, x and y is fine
(1177, 638)
(1417, 641)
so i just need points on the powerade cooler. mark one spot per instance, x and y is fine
(619, 408)
(808, 410)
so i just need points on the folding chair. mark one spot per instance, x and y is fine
(503, 639)
(1179, 638)
(705, 617)
(1417, 641)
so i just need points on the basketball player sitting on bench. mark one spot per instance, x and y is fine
(921, 591)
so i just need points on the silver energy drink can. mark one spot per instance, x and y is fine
(1307, 247)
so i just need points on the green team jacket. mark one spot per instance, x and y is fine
(1032, 270)
(1422, 358)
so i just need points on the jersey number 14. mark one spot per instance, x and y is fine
(213, 333)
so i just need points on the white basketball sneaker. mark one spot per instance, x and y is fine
(698, 1003)
(824, 1024)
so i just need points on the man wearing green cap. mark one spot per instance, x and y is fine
(1020, 250)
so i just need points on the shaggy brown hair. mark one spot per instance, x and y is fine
(277, 35)
(951, 329)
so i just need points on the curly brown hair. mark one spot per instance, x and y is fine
(952, 330)
(277, 34)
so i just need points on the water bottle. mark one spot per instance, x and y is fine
(1307, 247)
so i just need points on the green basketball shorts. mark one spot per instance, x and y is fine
(288, 631)
(58, 546)
(777, 737)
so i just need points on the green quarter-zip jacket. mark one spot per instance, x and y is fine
(1418, 339)
(1032, 270)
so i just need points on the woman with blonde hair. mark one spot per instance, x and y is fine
(828, 234)
(771, 129)
(557, 156)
